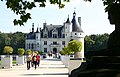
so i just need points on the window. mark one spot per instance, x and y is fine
(45, 36)
(37, 44)
(45, 49)
(36, 37)
(63, 35)
(63, 42)
(29, 46)
(54, 35)
(54, 42)
(75, 33)
(45, 42)
(32, 46)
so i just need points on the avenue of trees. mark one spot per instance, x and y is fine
(17, 40)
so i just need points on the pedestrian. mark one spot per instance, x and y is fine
(35, 60)
(29, 58)
(38, 57)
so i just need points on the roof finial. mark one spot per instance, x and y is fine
(74, 9)
(45, 20)
(74, 14)
(68, 15)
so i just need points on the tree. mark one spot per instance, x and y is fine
(8, 49)
(20, 7)
(21, 51)
(28, 52)
(66, 51)
(96, 42)
(76, 47)
(113, 9)
(89, 43)
(17, 41)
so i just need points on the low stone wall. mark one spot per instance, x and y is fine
(74, 63)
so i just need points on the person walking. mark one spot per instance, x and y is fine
(29, 58)
(35, 60)
(38, 57)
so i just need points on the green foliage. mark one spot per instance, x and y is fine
(65, 51)
(21, 51)
(36, 52)
(8, 49)
(109, 3)
(96, 42)
(20, 7)
(62, 52)
(28, 52)
(18, 41)
(75, 46)
(40, 52)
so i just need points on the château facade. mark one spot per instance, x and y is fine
(55, 37)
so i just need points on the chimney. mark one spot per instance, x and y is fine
(32, 27)
(79, 20)
(44, 25)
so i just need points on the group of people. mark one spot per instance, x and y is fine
(33, 60)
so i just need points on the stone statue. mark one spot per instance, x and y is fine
(114, 18)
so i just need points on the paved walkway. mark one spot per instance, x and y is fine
(47, 68)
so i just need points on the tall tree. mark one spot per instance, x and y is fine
(18, 41)
(96, 42)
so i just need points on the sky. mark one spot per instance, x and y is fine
(94, 19)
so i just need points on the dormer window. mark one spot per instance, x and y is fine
(45, 35)
(54, 35)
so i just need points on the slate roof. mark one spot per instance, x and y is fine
(75, 26)
(30, 35)
(50, 28)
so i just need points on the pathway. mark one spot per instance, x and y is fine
(47, 68)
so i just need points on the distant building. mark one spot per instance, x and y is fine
(55, 37)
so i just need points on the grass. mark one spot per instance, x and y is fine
(14, 62)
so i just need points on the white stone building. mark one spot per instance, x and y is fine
(55, 37)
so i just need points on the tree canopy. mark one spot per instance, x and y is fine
(75, 46)
(20, 7)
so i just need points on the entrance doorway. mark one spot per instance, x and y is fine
(54, 50)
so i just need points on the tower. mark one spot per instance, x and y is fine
(38, 39)
(68, 30)
(77, 32)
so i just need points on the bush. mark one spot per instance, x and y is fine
(28, 52)
(21, 51)
(8, 49)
